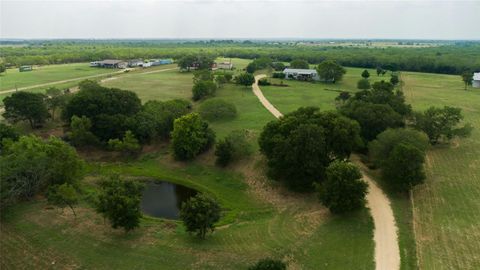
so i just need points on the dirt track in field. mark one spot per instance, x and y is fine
(387, 252)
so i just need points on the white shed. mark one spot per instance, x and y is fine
(301, 74)
(476, 80)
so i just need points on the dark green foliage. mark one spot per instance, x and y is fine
(80, 134)
(31, 164)
(301, 144)
(278, 75)
(63, 195)
(299, 63)
(330, 71)
(365, 74)
(394, 79)
(199, 214)
(129, 145)
(467, 78)
(441, 124)
(264, 82)
(106, 126)
(26, 106)
(251, 67)
(403, 168)
(190, 136)
(233, 147)
(257, 64)
(245, 79)
(119, 202)
(363, 84)
(155, 119)
(198, 61)
(202, 75)
(7, 134)
(202, 89)
(381, 148)
(373, 118)
(269, 264)
(343, 96)
(3, 68)
(278, 66)
(343, 190)
(217, 109)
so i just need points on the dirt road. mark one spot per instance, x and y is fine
(387, 252)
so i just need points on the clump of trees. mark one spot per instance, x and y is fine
(203, 88)
(400, 154)
(26, 106)
(217, 109)
(299, 63)
(343, 189)
(260, 63)
(119, 202)
(128, 145)
(245, 79)
(199, 214)
(300, 145)
(31, 164)
(191, 136)
(196, 61)
(233, 147)
(442, 124)
(269, 264)
(330, 71)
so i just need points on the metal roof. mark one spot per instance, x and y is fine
(109, 62)
(476, 76)
(299, 70)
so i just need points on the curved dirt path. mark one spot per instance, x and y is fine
(387, 252)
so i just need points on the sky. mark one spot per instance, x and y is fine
(260, 19)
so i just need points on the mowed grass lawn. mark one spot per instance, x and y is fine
(447, 206)
(293, 227)
(47, 74)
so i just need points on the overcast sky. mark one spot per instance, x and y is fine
(422, 19)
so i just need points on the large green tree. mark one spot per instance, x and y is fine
(245, 79)
(330, 71)
(199, 214)
(300, 145)
(191, 136)
(343, 190)
(299, 63)
(27, 106)
(442, 123)
(119, 202)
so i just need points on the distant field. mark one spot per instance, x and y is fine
(46, 74)
(447, 207)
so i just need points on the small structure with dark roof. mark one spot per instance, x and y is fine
(109, 63)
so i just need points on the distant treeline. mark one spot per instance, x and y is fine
(448, 59)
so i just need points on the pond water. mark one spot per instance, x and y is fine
(164, 199)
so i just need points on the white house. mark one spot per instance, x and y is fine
(301, 74)
(476, 80)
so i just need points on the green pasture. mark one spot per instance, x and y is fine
(47, 74)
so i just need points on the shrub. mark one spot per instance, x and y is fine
(80, 134)
(363, 84)
(278, 75)
(217, 109)
(129, 145)
(7, 133)
(263, 81)
(233, 147)
(343, 190)
(63, 195)
(269, 264)
(278, 66)
(199, 214)
(202, 89)
(190, 136)
(245, 79)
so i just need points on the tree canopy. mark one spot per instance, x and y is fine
(199, 214)
(245, 79)
(330, 71)
(191, 136)
(299, 63)
(26, 106)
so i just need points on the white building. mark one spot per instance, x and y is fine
(476, 80)
(225, 65)
(301, 74)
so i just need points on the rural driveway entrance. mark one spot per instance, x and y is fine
(387, 252)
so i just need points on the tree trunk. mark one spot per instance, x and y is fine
(71, 207)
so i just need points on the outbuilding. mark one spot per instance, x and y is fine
(135, 63)
(25, 68)
(224, 65)
(109, 63)
(476, 80)
(301, 74)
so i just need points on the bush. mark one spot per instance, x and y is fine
(278, 66)
(245, 79)
(63, 195)
(199, 214)
(80, 134)
(191, 136)
(235, 146)
(269, 264)
(129, 145)
(7, 133)
(343, 190)
(278, 75)
(263, 81)
(217, 109)
(363, 84)
(202, 89)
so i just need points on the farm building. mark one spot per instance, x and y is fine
(301, 74)
(158, 62)
(476, 80)
(224, 65)
(25, 68)
(135, 63)
(109, 63)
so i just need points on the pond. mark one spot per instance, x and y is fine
(164, 199)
